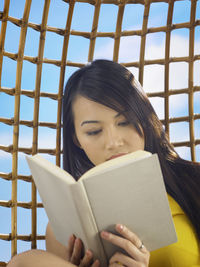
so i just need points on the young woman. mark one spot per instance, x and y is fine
(106, 114)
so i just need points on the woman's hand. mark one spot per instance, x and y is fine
(75, 254)
(138, 255)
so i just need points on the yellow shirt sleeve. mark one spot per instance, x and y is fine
(184, 253)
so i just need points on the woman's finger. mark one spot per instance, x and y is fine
(96, 263)
(129, 242)
(70, 246)
(121, 242)
(116, 264)
(87, 259)
(77, 252)
(129, 235)
(122, 260)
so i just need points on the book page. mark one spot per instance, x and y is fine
(120, 161)
(133, 195)
(54, 186)
(41, 162)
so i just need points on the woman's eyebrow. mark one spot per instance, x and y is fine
(96, 121)
(92, 121)
(119, 114)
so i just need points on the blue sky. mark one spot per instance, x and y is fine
(78, 52)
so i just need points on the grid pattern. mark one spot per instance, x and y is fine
(34, 93)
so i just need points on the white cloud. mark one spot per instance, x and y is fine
(129, 47)
(158, 105)
(105, 50)
(153, 78)
(197, 71)
(179, 132)
(45, 140)
(5, 155)
(184, 152)
(155, 46)
(179, 46)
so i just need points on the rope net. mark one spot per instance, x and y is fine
(74, 48)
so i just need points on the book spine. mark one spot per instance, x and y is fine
(91, 234)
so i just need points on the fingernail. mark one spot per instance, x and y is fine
(89, 253)
(104, 234)
(71, 238)
(77, 241)
(97, 262)
(119, 227)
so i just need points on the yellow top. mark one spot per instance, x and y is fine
(184, 253)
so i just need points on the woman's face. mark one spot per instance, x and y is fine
(102, 132)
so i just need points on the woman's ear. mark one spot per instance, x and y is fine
(76, 142)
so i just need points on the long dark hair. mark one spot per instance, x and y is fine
(112, 85)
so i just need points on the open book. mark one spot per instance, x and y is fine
(127, 190)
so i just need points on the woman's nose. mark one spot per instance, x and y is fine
(113, 139)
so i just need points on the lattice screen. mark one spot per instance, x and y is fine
(25, 103)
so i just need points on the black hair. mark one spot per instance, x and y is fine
(112, 85)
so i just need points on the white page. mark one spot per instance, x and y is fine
(56, 197)
(111, 164)
(136, 197)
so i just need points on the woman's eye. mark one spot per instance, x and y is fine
(123, 123)
(93, 132)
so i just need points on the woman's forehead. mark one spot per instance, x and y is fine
(83, 105)
(86, 109)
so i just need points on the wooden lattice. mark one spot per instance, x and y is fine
(14, 176)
